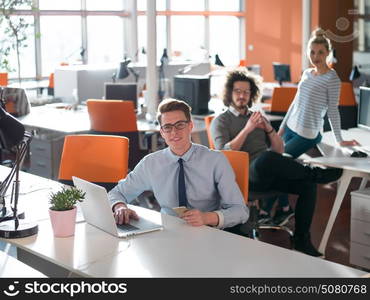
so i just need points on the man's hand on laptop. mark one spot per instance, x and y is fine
(122, 214)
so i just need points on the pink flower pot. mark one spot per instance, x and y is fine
(63, 222)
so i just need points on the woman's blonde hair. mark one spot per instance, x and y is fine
(318, 36)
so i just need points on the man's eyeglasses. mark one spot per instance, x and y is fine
(239, 92)
(179, 125)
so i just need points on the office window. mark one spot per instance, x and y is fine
(363, 6)
(362, 25)
(60, 41)
(27, 54)
(23, 6)
(187, 46)
(224, 33)
(229, 5)
(60, 5)
(160, 5)
(188, 5)
(104, 5)
(142, 36)
(105, 39)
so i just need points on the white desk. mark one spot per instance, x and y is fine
(338, 157)
(11, 267)
(177, 251)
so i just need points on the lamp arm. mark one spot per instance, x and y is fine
(20, 155)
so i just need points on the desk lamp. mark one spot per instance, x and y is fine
(355, 73)
(164, 64)
(14, 137)
(218, 61)
(122, 70)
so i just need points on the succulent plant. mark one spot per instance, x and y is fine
(66, 199)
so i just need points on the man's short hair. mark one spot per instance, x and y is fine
(242, 74)
(170, 104)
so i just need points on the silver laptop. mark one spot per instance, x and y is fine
(97, 211)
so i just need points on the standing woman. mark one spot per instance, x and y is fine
(317, 94)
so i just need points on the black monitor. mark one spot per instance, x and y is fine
(121, 91)
(281, 72)
(194, 90)
(364, 108)
(256, 69)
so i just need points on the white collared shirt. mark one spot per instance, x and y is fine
(209, 179)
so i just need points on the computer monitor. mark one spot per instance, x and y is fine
(256, 69)
(364, 108)
(121, 91)
(281, 72)
(194, 90)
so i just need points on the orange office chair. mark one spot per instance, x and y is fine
(281, 99)
(51, 85)
(239, 161)
(102, 159)
(347, 96)
(112, 115)
(207, 121)
(3, 79)
(116, 117)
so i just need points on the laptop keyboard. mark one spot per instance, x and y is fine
(126, 227)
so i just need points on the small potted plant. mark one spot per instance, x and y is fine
(63, 210)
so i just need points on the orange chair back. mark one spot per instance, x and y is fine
(112, 115)
(51, 80)
(281, 98)
(347, 96)
(3, 79)
(239, 161)
(96, 158)
(207, 121)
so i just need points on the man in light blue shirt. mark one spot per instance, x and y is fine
(212, 194)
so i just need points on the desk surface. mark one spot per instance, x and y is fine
(339, 157)
(328, 146)
(11, 267)
(177, 251)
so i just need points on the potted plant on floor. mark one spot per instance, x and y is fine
(63, 210)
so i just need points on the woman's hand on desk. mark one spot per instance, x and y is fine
(122, 214)
(349, 143)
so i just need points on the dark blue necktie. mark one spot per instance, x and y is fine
(182, 190)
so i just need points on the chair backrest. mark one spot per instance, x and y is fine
(239, 161)
(16, 101)
(281, 98)
(347, 96)
(207, 121)
(96, 158)
(3, 79)
(112, 115)
(51, 80)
